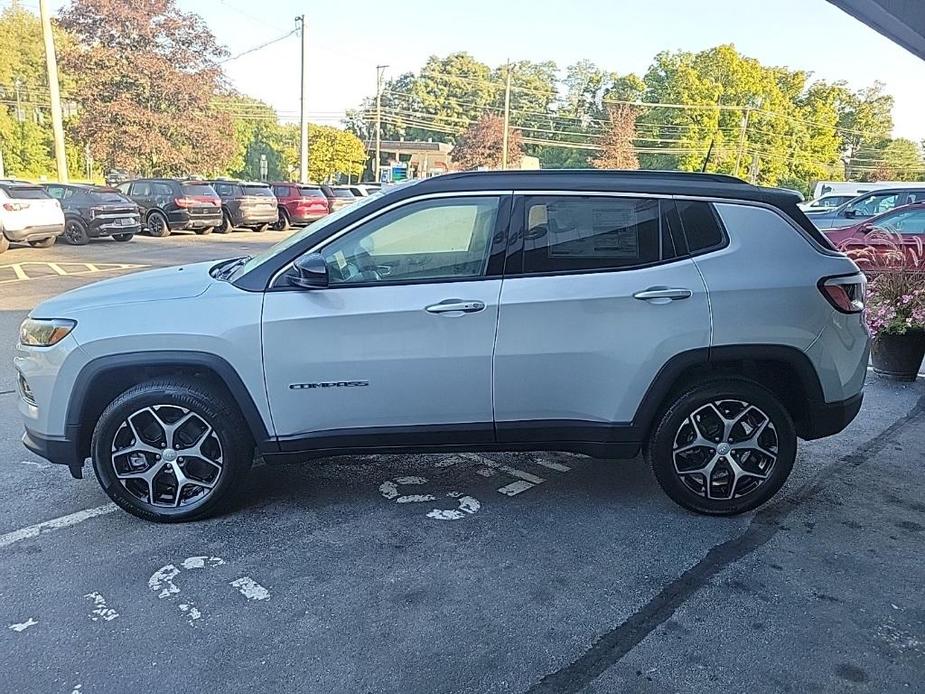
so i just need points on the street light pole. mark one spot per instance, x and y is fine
(507, 117)
(380, 69)
(51, 63)
(303, 112)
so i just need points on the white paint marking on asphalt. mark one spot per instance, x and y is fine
(100, 609)
(191, 612)
(162, 580)
(200, 562)
(552, 465)
(485, 472)
(76, 689)
(389, 489)
(55, 524)
(467, 506)
(18, 271)
(512, 471)
(23, 625)
(33, 464)
(57, 268)
(517, 487)
(250, 589)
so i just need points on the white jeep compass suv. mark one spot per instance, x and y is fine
(694, 317)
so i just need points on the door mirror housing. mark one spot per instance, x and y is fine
(851, 214)
(309, 272)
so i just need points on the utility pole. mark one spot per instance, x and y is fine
(742, 138)
(507, 117)
(21, 119)
(51, 62)
(303, 112)
(380, 70)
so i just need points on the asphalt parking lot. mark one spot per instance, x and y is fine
(459, 573)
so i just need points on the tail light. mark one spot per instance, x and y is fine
(846, 293)
(15, 206)
(184, 202)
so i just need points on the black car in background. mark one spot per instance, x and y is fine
(245, 204)
(169, 204)
(94, 211)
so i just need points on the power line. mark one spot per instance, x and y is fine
(258, 48)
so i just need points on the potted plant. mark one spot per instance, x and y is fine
(895, 308)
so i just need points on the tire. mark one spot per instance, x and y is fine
(75, 233)
(194, 406)
(123, 237)
(226, 226)
(204, 232)
(44, 243)
(157, 225)
(763, 428)
(283, 223)
(260, 228)
(4, 243)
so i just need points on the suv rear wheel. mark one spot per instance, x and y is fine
(157, 225)
(171, 450)
(283, 222)
(723, 447)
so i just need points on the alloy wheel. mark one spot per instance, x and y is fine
(167, 456)
(725, 449)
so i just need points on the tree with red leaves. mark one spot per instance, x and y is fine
(482, 144)
(145, 78)
(618, 151)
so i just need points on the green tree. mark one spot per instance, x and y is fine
(145, 79)
(889, 160)
(332, 152)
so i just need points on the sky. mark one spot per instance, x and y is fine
(348, 39)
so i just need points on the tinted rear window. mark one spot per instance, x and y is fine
(258, 190)
(197, 189)
(342, 193)
(311, 192)
(701, 226)
(105, 196)
(25, 192)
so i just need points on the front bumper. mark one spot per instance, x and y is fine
(826, 419)
(34, 233)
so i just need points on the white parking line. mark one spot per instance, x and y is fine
(512, 471)
(516, 487)
(55, 524)
(552, 465)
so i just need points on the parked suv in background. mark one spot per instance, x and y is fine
(28, 215)
(299, 204)
(92, 212)
(866, 206)
(169, 204)
(338, 197)
(598, 312)
(245, 204)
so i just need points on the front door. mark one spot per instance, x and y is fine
(599, 298)
(398, 349)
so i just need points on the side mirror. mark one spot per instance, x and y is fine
(309, 272)
(851, 214)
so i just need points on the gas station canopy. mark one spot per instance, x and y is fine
(901, 21)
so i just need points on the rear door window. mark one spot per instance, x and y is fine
(141, 189)
(281, 191)
(162, 189)
(594, 233)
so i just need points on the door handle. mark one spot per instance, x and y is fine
(666, 293)
(456, 306)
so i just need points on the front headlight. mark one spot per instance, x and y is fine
(44, 332)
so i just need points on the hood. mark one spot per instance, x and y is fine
(154, 285)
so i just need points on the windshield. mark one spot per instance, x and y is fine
(311, 192)
(258, 190)
(25, 192)
(295, 238)
(106, 196)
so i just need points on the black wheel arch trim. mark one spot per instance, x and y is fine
(98, 368)
(669, 374)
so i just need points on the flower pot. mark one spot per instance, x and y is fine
(899, 356)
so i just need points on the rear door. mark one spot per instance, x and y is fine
(598, 296)
(142, 195)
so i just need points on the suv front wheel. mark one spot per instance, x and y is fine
(723, 447)
(171, 450)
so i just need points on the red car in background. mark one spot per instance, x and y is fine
(299, 204)
(882, 234)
